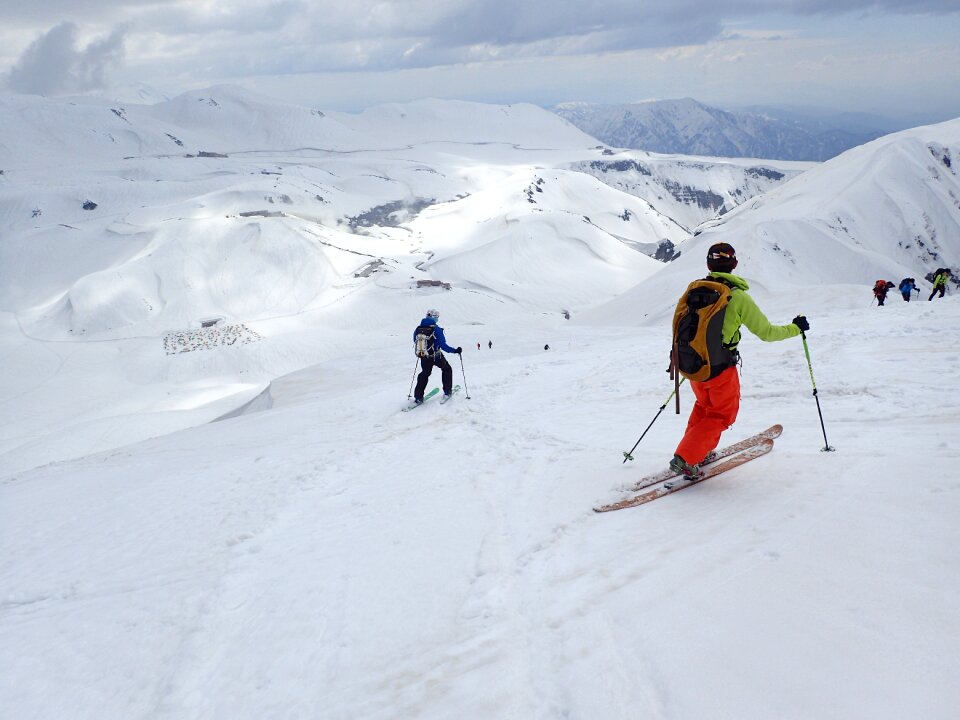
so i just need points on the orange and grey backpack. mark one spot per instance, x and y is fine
(699, 353)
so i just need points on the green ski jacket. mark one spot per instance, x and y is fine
(742, 310)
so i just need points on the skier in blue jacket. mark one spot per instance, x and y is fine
(907, 286)
(428, 326)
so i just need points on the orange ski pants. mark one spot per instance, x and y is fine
(718, 401)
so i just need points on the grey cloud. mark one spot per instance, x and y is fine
(462, 21)
(240, 18)
(52, 64)
(837, 7)
(506, 22)
(429, 32)
(50, 12)
(371, 35)
(500, 22)
(232, 38)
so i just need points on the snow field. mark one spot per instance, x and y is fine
(335, 557)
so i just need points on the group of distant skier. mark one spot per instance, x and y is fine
(909, 285)
(490, 345)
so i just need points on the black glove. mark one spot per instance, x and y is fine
(801, 322)
(459, 351)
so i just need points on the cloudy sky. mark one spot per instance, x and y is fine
(899, 58)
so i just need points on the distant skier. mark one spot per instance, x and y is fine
(880, 289)
(718, 396)
(429, 341)
(546, 347)
(940, 282)
(478, 346)
(906, 288)
(490, 344)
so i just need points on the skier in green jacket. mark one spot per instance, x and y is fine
(940, 282)
(718, 399)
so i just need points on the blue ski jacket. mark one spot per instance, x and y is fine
(439, 341)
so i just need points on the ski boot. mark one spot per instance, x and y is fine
(682, 467)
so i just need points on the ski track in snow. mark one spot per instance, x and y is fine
(389, 564)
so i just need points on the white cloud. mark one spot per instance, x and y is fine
(527, 49)
(53, 65)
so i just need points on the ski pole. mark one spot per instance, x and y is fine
(806, 351)
(628, 455)
(415, 362)
(462, 372)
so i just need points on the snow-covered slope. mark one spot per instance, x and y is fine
(689, 190)
(432, 121)
(310, 220)
(334, 557)
(889, 209)
(137, 244)
(568, 244)
(124, 228)
(156, 216)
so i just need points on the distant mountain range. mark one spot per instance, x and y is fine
(689, 127)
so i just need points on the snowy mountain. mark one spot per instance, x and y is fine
(212, 507)
(889, 209)
(818, 119)
(147, 199)
(689, 190)
(692, 128)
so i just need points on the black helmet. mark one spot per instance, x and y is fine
(721, 257)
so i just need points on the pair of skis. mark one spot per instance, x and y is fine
(670, 482)
(445, 398)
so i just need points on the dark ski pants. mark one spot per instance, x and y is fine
(936, 290)
(426, 367)
(906, 296)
